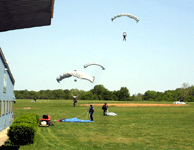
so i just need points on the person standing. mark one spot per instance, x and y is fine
(104, 108)
(91, 111)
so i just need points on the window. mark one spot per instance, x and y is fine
(4, 83)
(0, 107)
(7, 107)
(3, 107)
(4, 122)
(12, 106)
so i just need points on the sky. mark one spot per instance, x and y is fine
(158, 53)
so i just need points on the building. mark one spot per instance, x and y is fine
(20, 14)
(7, 96)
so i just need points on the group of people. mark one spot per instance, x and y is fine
(91, 110)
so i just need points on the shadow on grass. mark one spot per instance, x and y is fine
(3, 147)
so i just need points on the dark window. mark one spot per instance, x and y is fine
(7, 108)
(3, 107)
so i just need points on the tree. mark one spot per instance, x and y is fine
(123, 94)
(74, 92)
(95, 97)
(116, 93)
(58, 93)
(49, 94)
(87, 96)
(185, 87)
(190, 98)
(115, 98)
(100, 97)
(169, 95)
(149, 95)
(137, 97)
(108, 95)
(160, 96)
(99, 90)
(26, 94)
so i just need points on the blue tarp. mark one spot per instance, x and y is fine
(74, 120)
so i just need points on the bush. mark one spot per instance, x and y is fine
(22, 133)
(28, 118)
(23, 129)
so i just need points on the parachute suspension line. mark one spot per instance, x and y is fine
(89, 71)
(122, 23)
(84, 85)
(75, 93)
(62, 84)
(124, 27)
(87, 115)
(82, 114)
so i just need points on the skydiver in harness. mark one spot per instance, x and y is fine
(74, 100)
(105, 108)
(91, 111)
(124, 36)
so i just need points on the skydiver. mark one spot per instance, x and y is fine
(105, 107)
(34, 99)
(124, 36)
(74, 100)
(91, 111)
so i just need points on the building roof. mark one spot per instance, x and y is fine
(6, 66)
(19, 14)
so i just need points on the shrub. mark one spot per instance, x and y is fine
(23, 129)
(22, 133)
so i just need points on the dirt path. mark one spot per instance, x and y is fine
(136, 105)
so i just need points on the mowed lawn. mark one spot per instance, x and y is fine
(132, 128)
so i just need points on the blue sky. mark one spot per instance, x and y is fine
(158, 54)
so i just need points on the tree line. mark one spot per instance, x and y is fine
(99, 92)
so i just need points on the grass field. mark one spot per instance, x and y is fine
(132, 128)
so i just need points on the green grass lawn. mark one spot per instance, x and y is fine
(132, 128)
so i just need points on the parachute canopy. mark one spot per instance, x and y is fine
(76, 120)
(111, 113)
(89, 64)
(178, 102)
(125, 14)
(77, 74)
